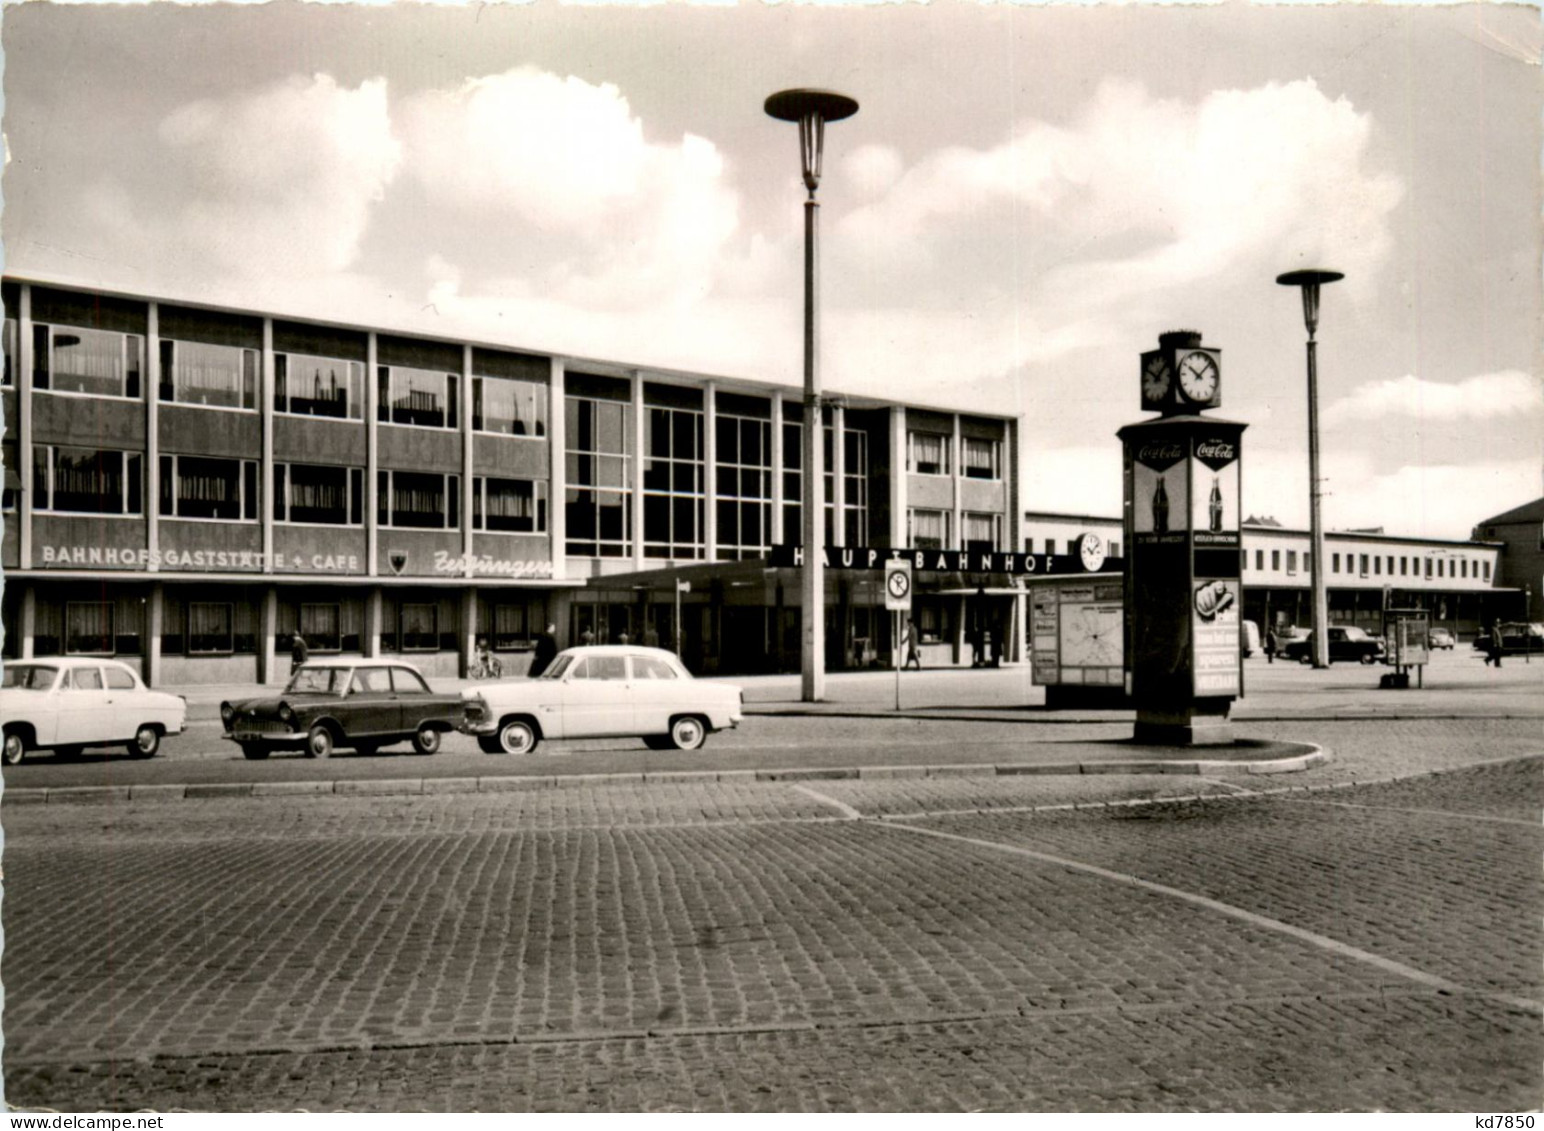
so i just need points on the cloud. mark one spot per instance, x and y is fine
(562, 170)
(1503, 395)
(284, 175)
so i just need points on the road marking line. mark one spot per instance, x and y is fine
(1421, 812)
(1265, 922)
(846, 810)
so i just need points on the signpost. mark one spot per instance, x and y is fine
(898, 601)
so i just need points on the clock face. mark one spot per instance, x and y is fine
(1091, 636)
(1198, 377)
(1091, 550)
(1155, 379)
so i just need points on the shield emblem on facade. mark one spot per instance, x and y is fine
(398, 560)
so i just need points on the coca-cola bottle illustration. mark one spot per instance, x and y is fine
(1160, 509)
(1214, 508)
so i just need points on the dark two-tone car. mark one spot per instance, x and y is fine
(346, 703)
(1346, 644)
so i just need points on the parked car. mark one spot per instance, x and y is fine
(70, 703)
(603, 691)
(349, 703)
(1440, 638)
(1516, 637)
(1345, 643)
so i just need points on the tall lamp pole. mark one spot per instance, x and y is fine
(812, 109)
(1309, 281)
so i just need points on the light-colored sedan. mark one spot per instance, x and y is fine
(72, 702)
(603, 691)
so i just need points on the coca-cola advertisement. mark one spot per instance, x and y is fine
(1214, 514)
(1160, 489)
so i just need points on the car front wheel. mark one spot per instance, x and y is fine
(1368, 657)
(147, 740)
(517, 736)
(15, 748)
(426, 740)
(688, 733)
(319, 742)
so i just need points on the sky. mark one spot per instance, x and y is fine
(1026, 198)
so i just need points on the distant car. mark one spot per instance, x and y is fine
(1516, 636)
(348, 703)
(1440, 638)
(70, 703)
(1345, 643)
(602, 691)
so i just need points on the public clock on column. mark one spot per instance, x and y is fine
(1199, 378)
(1091, 550)
(1156, 381)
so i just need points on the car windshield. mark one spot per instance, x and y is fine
(559, 666)
(321, 681)
(30, 677)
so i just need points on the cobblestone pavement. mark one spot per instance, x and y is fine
(750, 946)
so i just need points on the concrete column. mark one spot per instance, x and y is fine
(27, 616)
(1011, 466)
(265, 472)
(153, 433)
(778, 535)
(155, 620)
(371, 644)
(468, 630)
(372, 457)
(467, 448)
(636, 477)
(709, 464)
(557, 464)
(269, 670)
(898, 502)
(956, 454)
(24, 457)
(838, 476)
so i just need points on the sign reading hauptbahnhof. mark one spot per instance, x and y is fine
(791, 556)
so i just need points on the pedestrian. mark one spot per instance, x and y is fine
(622, 638)
(977, 648)
(546, 651)
(299, 653)
(1270, 646)
(1496, 645)
(913, 653)
(587, 637)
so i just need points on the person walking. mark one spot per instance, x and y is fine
(299, 653)
(910, 648)
(1497, 648)
(546, 651)
(1271, 644)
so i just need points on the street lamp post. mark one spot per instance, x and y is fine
(812, 109)
(1309, 281)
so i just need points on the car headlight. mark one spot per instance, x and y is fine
(227, 715)
(285, 713)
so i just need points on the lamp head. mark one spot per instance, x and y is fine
(1309, 279)
(812, 109)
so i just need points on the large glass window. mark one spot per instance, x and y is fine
(211, 629)
(418, 499)
(88, 628)
(420, 628)
(927, 453)
(313, 493)
(673, 490)
(8, 341)
(514, 505)
(743, 473)
(87, 481)
(983, 533)
(855, 479)
(322, 626)
(793, 482)
(598, 499)
(422, 398)
(509, 407)
(202, 487)
(73, 359)
(982, 459)
(305, 385)
(198, 373)
(927, 529)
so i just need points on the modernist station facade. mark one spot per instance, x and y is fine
(186, 486)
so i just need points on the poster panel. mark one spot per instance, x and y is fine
(1214, 629)
(1214, 501)
(1160, 492)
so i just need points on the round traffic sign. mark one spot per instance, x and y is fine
(899, 584)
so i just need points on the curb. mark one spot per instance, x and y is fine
(1312, 755)
(1125, 715)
